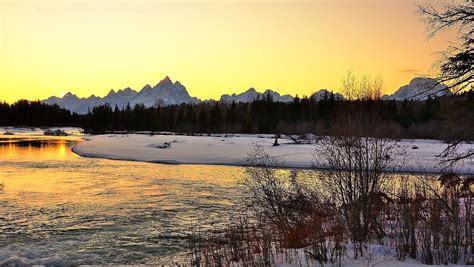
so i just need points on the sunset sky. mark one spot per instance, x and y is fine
(212, 47)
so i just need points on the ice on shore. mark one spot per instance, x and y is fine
(35, 131)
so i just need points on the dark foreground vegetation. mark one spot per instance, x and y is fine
(294, 218)
(350, 210)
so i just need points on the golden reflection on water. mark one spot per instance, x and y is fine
(37, 148)
(44, 171)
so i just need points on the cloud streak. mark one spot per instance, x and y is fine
(408, 71)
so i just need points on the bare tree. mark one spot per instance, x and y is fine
(363, 88)
(456, 64)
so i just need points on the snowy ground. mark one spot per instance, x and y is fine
(232, 149)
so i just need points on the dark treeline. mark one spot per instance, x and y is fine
(410, 119)
(37, 114)
(433, 118)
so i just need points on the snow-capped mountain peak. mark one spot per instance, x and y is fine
(165, 82)
(164, 92)
(419, 89)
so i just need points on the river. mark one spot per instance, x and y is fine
(59, 208)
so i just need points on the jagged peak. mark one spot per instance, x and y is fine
(112, 92)
(128, 89)
(273, 93)
(251, 89)
(69, 95)
(147, 86)
(165, 82)
(418, 80)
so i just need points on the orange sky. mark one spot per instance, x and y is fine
(212, 47)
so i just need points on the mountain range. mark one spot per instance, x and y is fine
(167, 92)
(163, 93)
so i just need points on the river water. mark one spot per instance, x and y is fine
(59, 208)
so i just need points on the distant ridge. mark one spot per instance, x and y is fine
(251, 95)
(325, 94)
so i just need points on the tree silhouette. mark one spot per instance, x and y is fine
(456, 64)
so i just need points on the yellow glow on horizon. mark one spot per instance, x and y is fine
(212, 47)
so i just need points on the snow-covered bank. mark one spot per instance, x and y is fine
(232, 149)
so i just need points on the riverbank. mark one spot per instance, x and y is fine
(421, 155)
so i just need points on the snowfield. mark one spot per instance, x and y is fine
(232, 149)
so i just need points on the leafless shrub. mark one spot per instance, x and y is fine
(404, 215)
(290, 205)
(355, 162)
(451, 219)
(432, 220)
(244, 241)
(284, 214)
